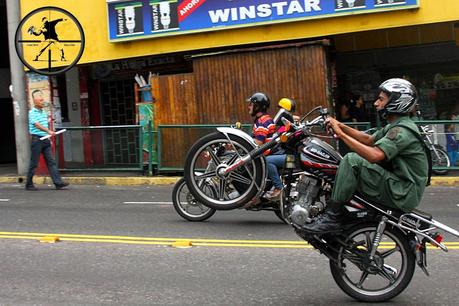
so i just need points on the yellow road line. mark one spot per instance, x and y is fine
(454, 245)
(149, 238)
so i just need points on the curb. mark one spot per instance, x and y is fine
(169, 180)
(88, 180)
(452, 181)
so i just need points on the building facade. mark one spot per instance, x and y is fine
(206, 57)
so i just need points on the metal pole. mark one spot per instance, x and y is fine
(18, 91)
(141, 148)
(150, 149)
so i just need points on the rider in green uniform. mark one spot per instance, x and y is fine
(389, 167)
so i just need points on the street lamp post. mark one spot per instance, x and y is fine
(18, 93)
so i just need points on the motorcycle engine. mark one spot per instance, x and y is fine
(304, 201)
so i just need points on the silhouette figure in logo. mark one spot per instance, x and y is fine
(48, 30)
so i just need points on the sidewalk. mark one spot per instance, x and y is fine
(8, 174)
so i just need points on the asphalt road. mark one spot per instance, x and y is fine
(113, 269)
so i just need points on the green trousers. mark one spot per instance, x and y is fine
(357, 174)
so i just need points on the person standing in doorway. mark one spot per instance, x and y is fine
(451, 140)
(38, 127)
(357, 111)
(345, 114)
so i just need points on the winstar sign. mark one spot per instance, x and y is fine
(140, 19)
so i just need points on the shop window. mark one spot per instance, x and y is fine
(438, 88)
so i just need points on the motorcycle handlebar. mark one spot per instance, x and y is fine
(318, 121)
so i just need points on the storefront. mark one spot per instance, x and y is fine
(428, 57)
(369, 40)
(207, 56)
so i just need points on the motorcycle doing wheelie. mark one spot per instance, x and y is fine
(192, 209)
(373, 257)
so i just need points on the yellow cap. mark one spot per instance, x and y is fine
(286, 104)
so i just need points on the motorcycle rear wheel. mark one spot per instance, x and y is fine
(186, 205)
(360, 278)
(236, 188)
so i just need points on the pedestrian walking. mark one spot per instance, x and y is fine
(38, 127)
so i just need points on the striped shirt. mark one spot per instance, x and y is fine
(40, 116)
(263, 128)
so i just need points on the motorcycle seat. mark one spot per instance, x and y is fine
(422, 214)
(397, 212)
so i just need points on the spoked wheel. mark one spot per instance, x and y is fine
(441, 161)
(378, 279)
(207, 160)
(187, 206)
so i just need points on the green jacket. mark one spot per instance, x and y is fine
(407, 163)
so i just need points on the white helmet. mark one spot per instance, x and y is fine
(402, 94)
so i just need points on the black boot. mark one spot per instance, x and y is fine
(330, 221)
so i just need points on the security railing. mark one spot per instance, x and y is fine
(101, 148)
(134, 148)
(174, 141)
(435, 134)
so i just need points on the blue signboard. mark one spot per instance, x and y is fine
(152, 18)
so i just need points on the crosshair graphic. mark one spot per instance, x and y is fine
(49, 40)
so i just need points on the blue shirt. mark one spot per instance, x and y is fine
(451, 142)
(40, 116)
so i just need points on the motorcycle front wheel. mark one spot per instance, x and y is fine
(441, 161)
(186, 205)
(205, 162)
(378, 279)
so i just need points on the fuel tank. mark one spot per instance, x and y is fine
(315, 153)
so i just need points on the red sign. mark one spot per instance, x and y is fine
(187, 7)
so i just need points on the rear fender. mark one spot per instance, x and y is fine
(239, 133)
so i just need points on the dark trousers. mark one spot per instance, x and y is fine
(42, 146)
